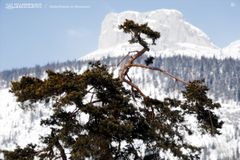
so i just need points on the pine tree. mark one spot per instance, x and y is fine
(115, 122)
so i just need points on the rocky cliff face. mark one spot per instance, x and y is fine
(174, 29)
(178, 37)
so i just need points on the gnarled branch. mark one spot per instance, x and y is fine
(136, 30)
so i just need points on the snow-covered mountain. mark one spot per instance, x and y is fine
(233, 49)
(177, 36)
(170, 23)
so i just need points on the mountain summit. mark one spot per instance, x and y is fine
(177, 36)
(170, 23)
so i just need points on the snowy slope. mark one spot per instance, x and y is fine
(19, 126)
(177, 36)
(233, 49)
(22, 127)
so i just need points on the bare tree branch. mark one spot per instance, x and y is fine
(124, 70)
(160, 70)
(125, 57)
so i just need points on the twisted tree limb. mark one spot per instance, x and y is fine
(123, 76)
(125, 57)
(136, 31)
(125, 68)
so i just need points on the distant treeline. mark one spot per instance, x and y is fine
(221, 76)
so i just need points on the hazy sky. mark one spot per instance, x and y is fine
(40, 32)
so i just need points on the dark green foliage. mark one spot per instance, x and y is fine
(114, 122)
(112, 117)
(136, 30)
(201, 105)
(27, 153)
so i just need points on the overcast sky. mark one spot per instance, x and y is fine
(42, 32)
